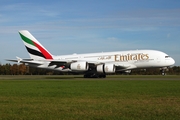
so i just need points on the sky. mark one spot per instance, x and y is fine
(88, 26)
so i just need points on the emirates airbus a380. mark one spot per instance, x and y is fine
(91, 64)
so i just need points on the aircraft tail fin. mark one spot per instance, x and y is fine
(34, 48)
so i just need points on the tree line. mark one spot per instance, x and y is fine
(22, 69)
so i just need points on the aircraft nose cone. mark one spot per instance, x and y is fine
(172, 61)
(169, 61)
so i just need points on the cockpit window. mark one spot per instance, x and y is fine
(167, 56)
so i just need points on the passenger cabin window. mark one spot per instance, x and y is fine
(167, 56)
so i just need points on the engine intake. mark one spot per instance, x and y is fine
(106, 68)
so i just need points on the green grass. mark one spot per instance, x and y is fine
(76, 98)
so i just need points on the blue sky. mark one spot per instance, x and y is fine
(86, 26)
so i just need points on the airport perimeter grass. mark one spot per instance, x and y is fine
(75, 98)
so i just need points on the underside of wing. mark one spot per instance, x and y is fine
(123, 67)
(78, 65)
(32, 62)
(119, 66)
(12, 60)
(61, 63)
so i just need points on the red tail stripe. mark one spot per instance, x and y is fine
(43, 51)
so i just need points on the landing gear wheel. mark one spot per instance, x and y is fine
(163, 72)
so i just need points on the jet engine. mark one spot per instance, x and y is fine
(106, 68)
(79, 66)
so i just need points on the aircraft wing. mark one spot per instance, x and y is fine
(124, 66)
(51, 62)
(29, 61)
(120, 66)
(61, 61)
(12, 60)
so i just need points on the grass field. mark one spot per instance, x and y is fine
(77, 98)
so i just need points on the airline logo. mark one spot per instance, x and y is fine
(78, 66)
(139, 56)
(40, 51)
(126, 57)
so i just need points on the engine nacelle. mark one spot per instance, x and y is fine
(79, 66)
(106, 68)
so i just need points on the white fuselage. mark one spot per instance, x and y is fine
(130, 59)
(140, 58)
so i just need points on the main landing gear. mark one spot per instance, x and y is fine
(95, 75)
(163, 70)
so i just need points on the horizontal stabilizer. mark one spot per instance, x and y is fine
(29, 61)
(12, 60)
